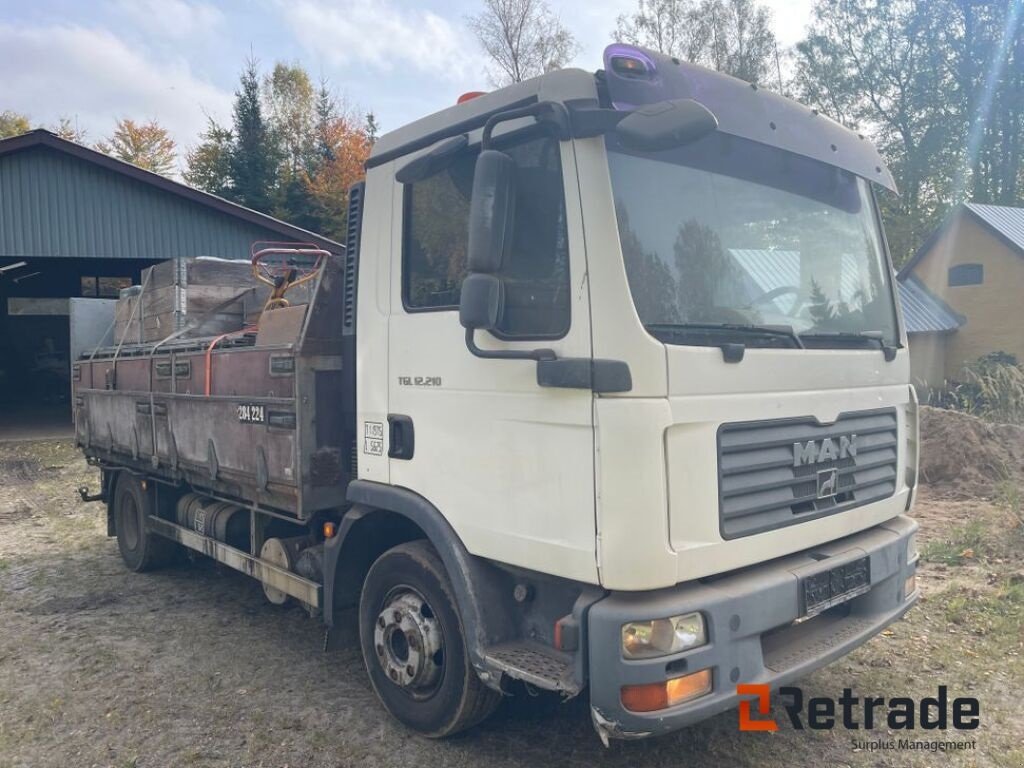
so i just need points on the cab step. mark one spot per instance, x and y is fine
(536, 664)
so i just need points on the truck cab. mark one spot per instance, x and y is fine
(609, 392)
(692, 386)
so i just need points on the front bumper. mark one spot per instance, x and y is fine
(751, 635)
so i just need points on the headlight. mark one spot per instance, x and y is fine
(661, 637)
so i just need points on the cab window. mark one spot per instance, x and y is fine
(536, 276)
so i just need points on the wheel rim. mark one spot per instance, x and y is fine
(130, 521)
(409, 642)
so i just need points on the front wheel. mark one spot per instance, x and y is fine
(414, 645)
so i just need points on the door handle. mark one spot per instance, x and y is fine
(402, 438)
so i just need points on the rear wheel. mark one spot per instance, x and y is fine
(413, 644)
(140, 549)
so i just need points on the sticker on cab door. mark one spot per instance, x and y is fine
(373, 438)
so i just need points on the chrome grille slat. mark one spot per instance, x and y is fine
(782, 455)
(789, 440)
(785, 479)
(760, 489)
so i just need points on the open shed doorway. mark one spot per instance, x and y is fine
(35, 337)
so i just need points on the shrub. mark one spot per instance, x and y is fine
(992, 388)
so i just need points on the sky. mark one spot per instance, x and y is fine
(177, 61)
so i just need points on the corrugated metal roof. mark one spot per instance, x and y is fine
(58, 198)
(1006, 220)
(922, 311)
(775, 269)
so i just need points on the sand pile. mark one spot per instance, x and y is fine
(966, 456)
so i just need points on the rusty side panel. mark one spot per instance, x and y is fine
(270, 432)
(246, 371)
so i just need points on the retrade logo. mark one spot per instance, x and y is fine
(855, 713)
(764, 707)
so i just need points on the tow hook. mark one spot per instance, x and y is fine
(83, 491)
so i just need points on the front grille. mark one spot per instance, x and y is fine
(768, 471)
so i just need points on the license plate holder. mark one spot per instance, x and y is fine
(834, 586)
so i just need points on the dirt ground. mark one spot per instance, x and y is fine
(191, 667)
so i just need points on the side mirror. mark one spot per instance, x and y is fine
(491, 218)
(491, 211)
(666, 124)
(481, 301)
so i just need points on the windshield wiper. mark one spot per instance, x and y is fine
(784, 331)
(888, 350)
(731, 352)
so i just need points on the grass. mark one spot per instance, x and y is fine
(966, 542)
(990, 388)
(999, 612)
(122, 670)
(1010, 497)
(988, 537)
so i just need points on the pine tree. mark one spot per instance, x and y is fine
(819, 307)
(326, 114)
(254, 156)
(209, 163)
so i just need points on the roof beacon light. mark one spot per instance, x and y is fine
(469, 96)
(630, 62)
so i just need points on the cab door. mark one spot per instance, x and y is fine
(509, 463)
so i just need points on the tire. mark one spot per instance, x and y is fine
(140, 550)
(408, 615)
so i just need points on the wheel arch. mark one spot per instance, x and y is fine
(384, 516)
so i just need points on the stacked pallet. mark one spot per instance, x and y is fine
(223, 294)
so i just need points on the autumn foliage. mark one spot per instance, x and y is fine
(147, 145)
(347, 147)
(293, 150)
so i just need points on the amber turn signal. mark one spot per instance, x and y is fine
(329, 530)
(910, 586)
(654, 696)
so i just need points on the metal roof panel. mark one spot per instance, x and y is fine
(1006, 220)
(922, 311)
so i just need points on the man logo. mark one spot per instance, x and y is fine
(815, 452)
(828, 483)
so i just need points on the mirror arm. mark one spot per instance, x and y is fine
(564, 372)
(506, 354)
(546, 112)
(594, 121)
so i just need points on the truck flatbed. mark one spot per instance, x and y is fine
(235, 415)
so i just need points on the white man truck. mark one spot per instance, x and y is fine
(608, 394)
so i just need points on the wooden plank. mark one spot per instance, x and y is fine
(198, 299)
(221, 273)
(160, 300)
(281, 326)
(178, 290)
(206, 298)
(160, 275)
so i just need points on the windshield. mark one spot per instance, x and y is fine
(728, 232)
